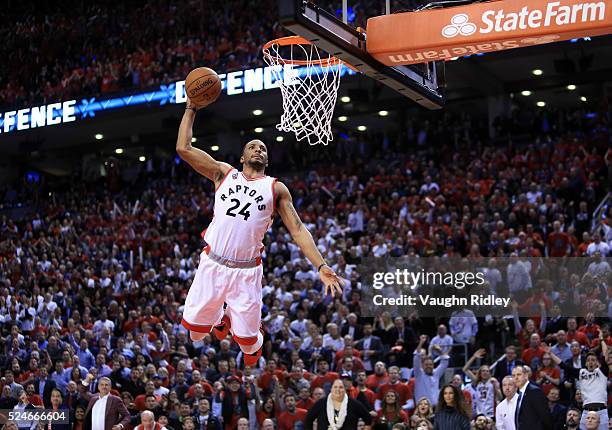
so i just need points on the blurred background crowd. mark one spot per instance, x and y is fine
(93, 282)
(93, 275)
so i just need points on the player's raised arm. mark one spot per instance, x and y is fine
(201, 161)
(304, 239)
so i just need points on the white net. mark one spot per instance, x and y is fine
(309, 80)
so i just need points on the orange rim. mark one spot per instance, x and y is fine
(298, 40)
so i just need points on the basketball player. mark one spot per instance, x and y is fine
(230, 268)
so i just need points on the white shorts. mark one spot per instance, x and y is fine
(215, 284)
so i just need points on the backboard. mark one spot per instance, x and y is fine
(422, 83)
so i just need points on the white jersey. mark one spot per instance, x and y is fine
(593, 386)
(243, 212)
(484, 399)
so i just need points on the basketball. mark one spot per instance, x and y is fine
(203, 86)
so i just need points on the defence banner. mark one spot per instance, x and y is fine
(442, 34)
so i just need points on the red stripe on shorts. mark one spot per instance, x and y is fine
(196, 327)
(245, 340)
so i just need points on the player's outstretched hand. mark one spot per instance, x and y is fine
(333, 283)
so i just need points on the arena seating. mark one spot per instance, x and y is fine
(93, 279)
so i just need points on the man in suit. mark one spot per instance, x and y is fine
(532, 412)
(312, 355)
(557, 410)
(104, 410)
(352, 328)
(43, 385)
(401, 331)
(371, 348)
(504, 366)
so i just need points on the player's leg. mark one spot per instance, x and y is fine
(244, 309)
(222, 329)
(204, 303)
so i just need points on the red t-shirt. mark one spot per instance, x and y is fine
(287, 419)
(592, 331)
(320, 381)
(596, 342)
(530, 353)
(557, 244)
(400, 388)
(370, 395)
(35, 400)
(305, 404)
(579, 337)
(208, 390)
(403, 416)
(553, 372)
(373, 382)
(265, 380)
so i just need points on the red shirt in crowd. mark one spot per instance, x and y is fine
(591, 330)
(530, 353)
(265, 379)
(553, 372)
(287, 419)
(320, 381)
(370, 395)
(558, 244)
(577, 336)
(400, 388)
(305, 404)
(390, 416)
(374, 381)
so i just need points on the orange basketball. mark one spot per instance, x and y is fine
(203, 86)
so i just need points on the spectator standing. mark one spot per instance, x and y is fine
(427, 378)
(485, 388)
(104, 411)
(451, 412)
(505, 411)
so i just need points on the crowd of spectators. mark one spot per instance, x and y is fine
(85, 49)
(92, 285)
(93, 48)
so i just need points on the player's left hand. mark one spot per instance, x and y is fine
(333, 283)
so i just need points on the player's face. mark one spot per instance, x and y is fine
(255, 154)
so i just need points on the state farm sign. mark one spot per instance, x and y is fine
(441, 34)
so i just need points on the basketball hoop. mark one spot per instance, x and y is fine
(309, 79)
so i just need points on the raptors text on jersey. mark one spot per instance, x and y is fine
(244, 208)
